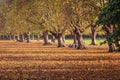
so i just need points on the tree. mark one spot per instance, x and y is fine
(82, 14)
(54, 19)
(22, 18)
(109, 17)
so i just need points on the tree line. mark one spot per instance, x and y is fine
(22, 18)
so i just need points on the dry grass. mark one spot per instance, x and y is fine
(33, 61)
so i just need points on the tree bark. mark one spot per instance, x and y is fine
(74, 37)
(93, 36)
(60, 43)
(58, 36)
(45, 38)
(80, 41)
(109, 30)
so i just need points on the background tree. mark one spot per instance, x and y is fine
(109, 17)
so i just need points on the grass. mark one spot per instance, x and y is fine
(33, 61)
(86, 40)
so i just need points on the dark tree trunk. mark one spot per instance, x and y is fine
(93, 41)
(60, 41)
(45, 37)
(80, 41)
(109, 30)
(58, 36)
(74, 37)
(27, 37)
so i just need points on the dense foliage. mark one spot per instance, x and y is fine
(110, 15)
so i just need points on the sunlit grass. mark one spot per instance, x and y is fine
(86, 40)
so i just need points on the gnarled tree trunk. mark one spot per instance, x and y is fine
(80, 41)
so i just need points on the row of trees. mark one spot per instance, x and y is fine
(57, 17)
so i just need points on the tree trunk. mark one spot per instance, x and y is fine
(93, 41)
(109, 31)
(74, 38)
(60, 44)
(111, 47)
(80, 41)
(45, 38)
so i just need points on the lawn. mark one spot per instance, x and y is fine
(33, 61)
(86, 40)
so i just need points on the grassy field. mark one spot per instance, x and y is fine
(87, 41)
(33, 61)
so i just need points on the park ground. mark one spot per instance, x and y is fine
(33, 61)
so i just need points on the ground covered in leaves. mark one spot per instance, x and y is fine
(33, 61)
